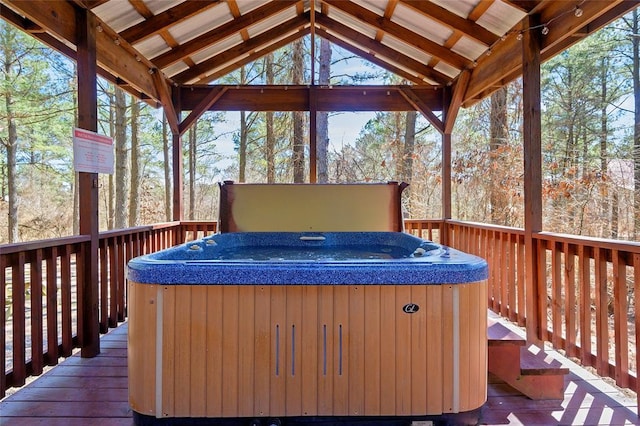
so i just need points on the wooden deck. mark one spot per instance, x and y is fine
(94, 392)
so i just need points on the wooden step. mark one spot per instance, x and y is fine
(526, 368)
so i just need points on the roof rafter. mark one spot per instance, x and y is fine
(384, 51)
(255, 43)
(222, 32)
(402, 33)
(255, 55)
(449, 19)
(161, 21)
(373, 59)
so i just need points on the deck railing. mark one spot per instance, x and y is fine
(585, 300)
(40, 293)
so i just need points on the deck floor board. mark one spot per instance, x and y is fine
(94, 391)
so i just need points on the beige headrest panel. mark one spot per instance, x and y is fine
(310, 207)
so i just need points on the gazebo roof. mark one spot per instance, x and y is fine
(432, 44)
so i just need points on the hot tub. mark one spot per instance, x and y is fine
(290, 325)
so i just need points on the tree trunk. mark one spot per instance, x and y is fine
(242, 148)
(604, 183)
(12, 172)
(193, 133)
(636, 128)
(409, 144)
(298, 116)
(499, 133)
(270, 143)
(135, 165)
(121, 184)
(167, 170)
(322, 117)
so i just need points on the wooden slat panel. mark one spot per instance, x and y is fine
(309, 339)
(373, 345)
(246, 350)
(388, 350)
(142, 359)
(198, 351)
(434, 339)
(422, 331)
(230, 355)
(263, 355)
(502, 249)
(278, 348)
(104, 286)
(340, 351)
(182, 365)
(326, 359)
(448, 385)
(293, 350)
(357, 349)
(215, 387)
(169, 345)
(542, 294)
(512, 282)
(403, 357)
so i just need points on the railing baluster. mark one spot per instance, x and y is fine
(65, 292)
(36, 313)
(636, 306)
(521, 285)
(104, 287)
(585, 304)
(19, 314)
(602, 323)
(3, 320)
(570, 297)
(620, 320)
(52, 306)
(556, 295)
(113, 280)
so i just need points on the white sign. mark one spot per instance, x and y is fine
(92, 153)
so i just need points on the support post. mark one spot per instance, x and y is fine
(88, 185)
(177, 162)
(446, 186)
(532, 130)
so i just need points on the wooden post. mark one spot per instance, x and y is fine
(446, 186)
(177, 162)
(446, 165)
(531, 45)
(88, 185)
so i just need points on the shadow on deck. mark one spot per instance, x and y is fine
(94, 392)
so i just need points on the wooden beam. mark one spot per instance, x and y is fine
(201, 108)
(88, 291)
(260, 41)
(410, 37)
(532, 125)
(452, 21)
(369, 57)
(419, 105)
(382, 50)
(253, 56)
(161, 21)
(505, 62)
(167, 102)
(296, 98)
(527, 6)
(456, 100)
(117, 58)
(222, 32)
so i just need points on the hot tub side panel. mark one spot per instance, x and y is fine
(295, 350)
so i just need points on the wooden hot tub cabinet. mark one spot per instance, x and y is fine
(252, 351)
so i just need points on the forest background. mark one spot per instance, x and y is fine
(591, 143)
